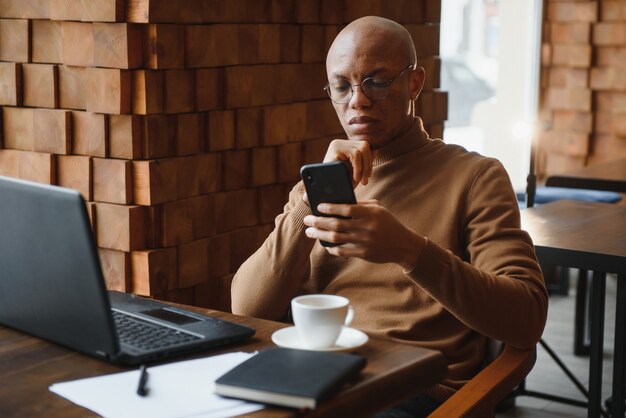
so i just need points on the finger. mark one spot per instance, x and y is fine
(349, 211)
(362, 154)
(346, 250)
(369, 202)
(336, 209)
(329, 224)
(337, 150)
(328, 236)
(367, 163)
(357, 165)
(356, 153)
(356, 229)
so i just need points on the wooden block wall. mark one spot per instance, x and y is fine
(583, 84)
(183, 124)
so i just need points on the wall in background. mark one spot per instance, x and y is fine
(583, 84)
(183, 124)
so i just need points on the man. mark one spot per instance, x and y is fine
(433, 253)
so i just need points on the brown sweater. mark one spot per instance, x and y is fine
(476, 277)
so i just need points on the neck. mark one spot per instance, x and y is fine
(406, 126)
(410, 139)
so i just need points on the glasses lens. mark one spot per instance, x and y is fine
(376, 89)
(373, 88)
(340, 93)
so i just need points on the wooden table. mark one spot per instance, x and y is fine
(606, 176)
(609, 176)
(589, 236)
(28, 366)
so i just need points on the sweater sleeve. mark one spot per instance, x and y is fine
(267, 281)
(499, 291)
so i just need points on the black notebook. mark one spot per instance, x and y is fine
(288, 377)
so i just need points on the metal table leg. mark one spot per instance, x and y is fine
(597, 343)
(619, 391)
(581, 345)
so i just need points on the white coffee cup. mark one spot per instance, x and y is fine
(319, 319)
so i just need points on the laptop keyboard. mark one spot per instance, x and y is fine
(147, 336)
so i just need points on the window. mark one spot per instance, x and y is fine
(490, 67)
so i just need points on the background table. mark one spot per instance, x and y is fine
(28, 366)
(588, 236)
(609, 176)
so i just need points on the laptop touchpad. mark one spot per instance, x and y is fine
(169, 316)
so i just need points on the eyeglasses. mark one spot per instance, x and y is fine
(374, 88)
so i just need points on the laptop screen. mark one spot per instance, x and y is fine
(51, 285)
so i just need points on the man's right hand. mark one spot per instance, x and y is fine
(357, 154)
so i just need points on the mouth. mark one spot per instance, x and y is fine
(362, 124)
(362, 120)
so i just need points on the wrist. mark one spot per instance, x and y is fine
(413, 252)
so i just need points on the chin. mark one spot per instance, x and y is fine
(375, 141)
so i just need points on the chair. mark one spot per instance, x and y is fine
(551, 194)
(479, 396)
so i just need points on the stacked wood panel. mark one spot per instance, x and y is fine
(583, 89)
(183, 124)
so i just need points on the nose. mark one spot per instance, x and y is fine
(359, 99)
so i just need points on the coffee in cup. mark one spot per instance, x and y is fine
(319, 319)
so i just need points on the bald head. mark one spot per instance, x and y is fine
(371, 69)
(374, 35)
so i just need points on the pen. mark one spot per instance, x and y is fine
(142, 390)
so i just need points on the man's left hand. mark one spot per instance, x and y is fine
(372, 233)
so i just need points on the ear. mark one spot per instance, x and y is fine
(416, 82)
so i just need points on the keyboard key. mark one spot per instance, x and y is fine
(147, 336)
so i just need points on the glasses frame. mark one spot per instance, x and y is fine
(388, 81)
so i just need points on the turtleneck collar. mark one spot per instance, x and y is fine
(408, 141)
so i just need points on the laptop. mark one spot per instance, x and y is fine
(52, 287)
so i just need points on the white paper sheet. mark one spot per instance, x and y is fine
(182, 389)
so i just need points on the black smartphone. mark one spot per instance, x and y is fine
(327, 183)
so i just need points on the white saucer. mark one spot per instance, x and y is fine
(350, 339)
